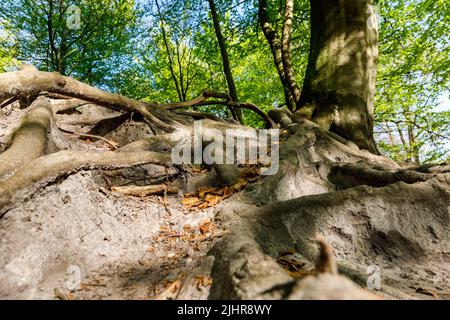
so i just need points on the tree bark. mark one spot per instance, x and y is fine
(340, 78)
(225, 59)
(275, 47)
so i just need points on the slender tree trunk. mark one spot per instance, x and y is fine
(169, 54)
(286, 52)
(340, 78)
(225, 60)
(180, 72)
(275, 47)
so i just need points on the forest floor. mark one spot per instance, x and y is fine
(118, 246)
(77, 239)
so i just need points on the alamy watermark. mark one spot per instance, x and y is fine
(374, 279)
(236, 146)
(73, 17)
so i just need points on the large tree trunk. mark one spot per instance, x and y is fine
(78, 220)
(86, 222)
(339, 87)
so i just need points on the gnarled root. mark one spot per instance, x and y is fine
(28, 141)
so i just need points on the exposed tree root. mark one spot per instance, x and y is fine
(8, 102)
(30, 81)
(354, 219)
(107, 125)
(244, 269)
(66, 106)
(434, 168)
(326, 263)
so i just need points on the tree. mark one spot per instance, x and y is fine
(85, 39)
(8, 51)
(286, 52)
(339, 87)
(275, 46)
(281, 50)
(108, 166)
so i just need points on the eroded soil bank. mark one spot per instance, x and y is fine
(76, 238)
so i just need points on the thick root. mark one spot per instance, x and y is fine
(29, 139)
(30, 82)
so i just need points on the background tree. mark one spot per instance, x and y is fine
(225, 59)
(412, 122)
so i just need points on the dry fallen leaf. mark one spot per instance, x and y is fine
(250, 173)
(198, 170)
(191, 201)
(207, 197)
(227, 192)
(202, 192)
